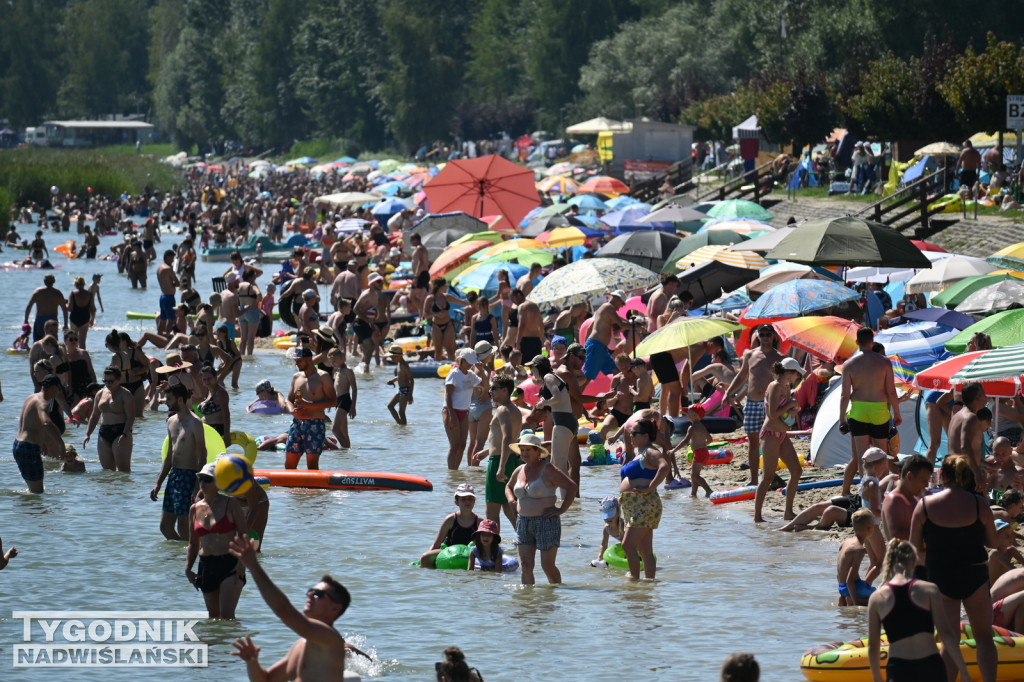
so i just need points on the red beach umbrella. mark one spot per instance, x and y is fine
(483, 186)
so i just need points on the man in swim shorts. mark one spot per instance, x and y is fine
(186, 455)
(312, 392)
(47, 299)
(36, 430)
(366, 315)
(606, 322)
(530, 333)
(506, 423)
(755, 373)
(868, 393)
(169, 284)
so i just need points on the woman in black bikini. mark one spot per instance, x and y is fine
(216, 408)
(956, 559)
(80, 370)
(114, 409)
(81, 310)
(554, 397)
(213, 521)
(232, 356)
(437, 311)
(138, 370)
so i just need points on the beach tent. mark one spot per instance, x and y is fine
(831, 448)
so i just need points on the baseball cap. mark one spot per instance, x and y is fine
(609, 507)
(619, 294)
(299, 352)
(465, 490)
(50, 380)
(792, 364)
(210, 469)
(310, 293)
(375, 277)
(874, 454)
(467, 354)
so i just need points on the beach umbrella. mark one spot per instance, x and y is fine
(739, 208)
(720, 253)
(688, 245)
(685, 332)
(948, 271)
(482, 186)
(903, 373)
(734, 300)
(672, 213)
(438, 241)
(938, 149)
(510, 245)
(521, 256)
(486, 236)
(604, 184)
(627, 216)
(560, 168)
(557, 184)
(483, 277)
(950, 318)
(872, 273)
(927, 246)
(554, 209)
(919, 343)
(648, 249)
(563, 236)
(546, 223)
(829, 338)
(1005, 329)
(993, 298)
(455, 259)
(456, 220)
(623, 201)
(708, 281)
(741, 225)
(956, 293)
(939, 377)
(765, 283)
(799, 297)
(1011, 257)
(1000, 363)
(587, 202)
(848, 241)
(580, 281)
(388, 165)
(597, 125)
(389, 207)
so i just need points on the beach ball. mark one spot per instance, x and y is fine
(233, 475)
(53, 189)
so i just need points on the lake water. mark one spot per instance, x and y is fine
(92, 542)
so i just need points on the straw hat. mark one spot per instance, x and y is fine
(529, 439)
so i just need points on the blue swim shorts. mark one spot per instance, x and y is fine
(181, 484)
(306, 436)
(167, 307)
(29, 457)
(599, 360)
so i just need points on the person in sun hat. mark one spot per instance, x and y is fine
(457, 528)
(531, 488)
(612, 528)
(486, 553)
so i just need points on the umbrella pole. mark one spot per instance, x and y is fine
(700, 283)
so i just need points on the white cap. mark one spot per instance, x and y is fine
(792, 364)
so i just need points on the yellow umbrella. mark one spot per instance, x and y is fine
(508, 246)
(1011, 273)
(716, 252)
(938, 149)
(562, 236)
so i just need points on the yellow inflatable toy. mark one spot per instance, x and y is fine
(848, 661)
(214, 444)
(284, 342)
(247, 443)
(407, 343)
(800, 456)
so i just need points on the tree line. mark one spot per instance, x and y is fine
(266, 73)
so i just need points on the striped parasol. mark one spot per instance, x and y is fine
(1001, 363)
(556, 184)
(903, 373)
(939, 377)
(718, 252)
(827, 337)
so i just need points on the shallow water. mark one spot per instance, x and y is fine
(92, 542)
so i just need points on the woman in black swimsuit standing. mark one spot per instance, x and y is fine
(232, 357)
(80, 368)
(437, 311)
(81, 310)
(956, 559)
(216, 407)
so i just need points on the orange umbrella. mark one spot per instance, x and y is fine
(455, 259)
(826, 337)
(604, 184)
(483, 186)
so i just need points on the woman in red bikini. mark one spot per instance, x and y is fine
(775, 443)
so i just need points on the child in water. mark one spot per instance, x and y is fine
(405, 385)
(485, 554)
(94, 289)
(851, 553)
(72, 465)
(347, 391)
(81, 411)
(22, 342)
(697, 438)
(612, 528)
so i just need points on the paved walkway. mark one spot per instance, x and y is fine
(981, 237)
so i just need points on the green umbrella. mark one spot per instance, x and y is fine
(739, 208)
(388, 165)
(1001, 363)
(1005, 329)
(848, 241)
(554, 209)
(685, 332)
(688, 245)
(486, 236)
(522, 256)
(954, 295)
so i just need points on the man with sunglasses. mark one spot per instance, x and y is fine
(756, 373)
(319, 654)
(312, 392)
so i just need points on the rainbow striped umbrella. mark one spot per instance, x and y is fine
(827, 337)
(718, 252)
(556, 184)
(903, 373)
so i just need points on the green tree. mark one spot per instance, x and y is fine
(978, 83)
(885, 106)
(31, 59)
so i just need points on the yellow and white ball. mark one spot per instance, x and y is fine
(233, 475)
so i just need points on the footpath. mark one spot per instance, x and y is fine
(981, 237)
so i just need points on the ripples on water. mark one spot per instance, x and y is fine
(92, 542)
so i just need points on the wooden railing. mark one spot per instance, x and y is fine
(908, 206)
(753, 185)
(678, 177)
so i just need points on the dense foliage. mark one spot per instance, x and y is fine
(266, 73)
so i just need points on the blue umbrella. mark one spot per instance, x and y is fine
(345, 159)
(484, 278)
(921, 344)
(389, 207)
(530, 216)
(950, 318)
(588, 202)
(799, 297)
(625, 215)
(392, 188)
(622, 201)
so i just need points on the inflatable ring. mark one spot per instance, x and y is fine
(246, 442)
(407, 343)
(284, 342)
(616, 556)
(17, 351)
(214, 444)
(747, 492)
(454, 557)
(264, 407)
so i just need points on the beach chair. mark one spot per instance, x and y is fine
(219, 284)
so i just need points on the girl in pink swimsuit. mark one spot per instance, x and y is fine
(775, 443)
